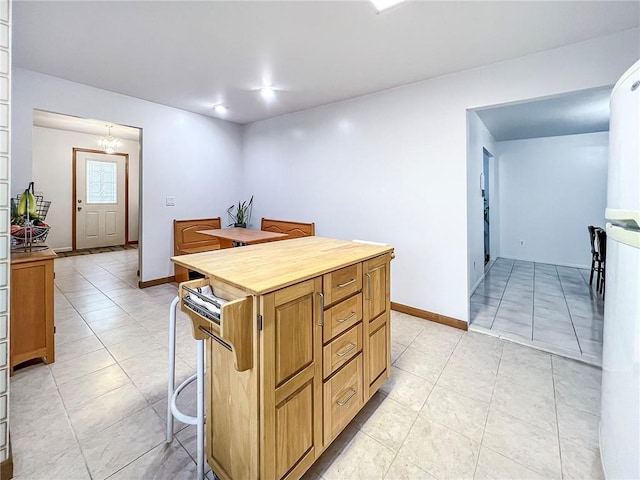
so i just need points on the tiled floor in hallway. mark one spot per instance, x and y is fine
(458, 404)
(547, 306)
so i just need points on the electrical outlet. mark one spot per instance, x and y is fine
(171, 201)
(522, 243)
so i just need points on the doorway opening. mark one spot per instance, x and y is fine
(486, 210)
(69, 164)
(546, 160)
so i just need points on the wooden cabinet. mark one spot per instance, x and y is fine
(318, 348)
(377, 309)
(32, 312)
(344, 393)
(292, 363)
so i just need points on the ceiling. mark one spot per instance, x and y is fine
(83, 125)
(192, 55)
(586, 111)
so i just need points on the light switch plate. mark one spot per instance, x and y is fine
(171, 201)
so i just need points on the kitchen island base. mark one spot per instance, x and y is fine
(301, 345)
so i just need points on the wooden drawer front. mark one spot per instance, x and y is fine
(343, 397)
(376, 291)
(342, 317)
(342, 283)
(294, 429)
(342, 349)
(378, 352)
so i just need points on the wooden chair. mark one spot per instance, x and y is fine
(186, 240)
(293, 229)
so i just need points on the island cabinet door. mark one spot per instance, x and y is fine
(376, 291)
(291, 404)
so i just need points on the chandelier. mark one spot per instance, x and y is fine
(109, 144)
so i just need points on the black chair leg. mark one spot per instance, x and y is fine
(599, 279)
(593, 265)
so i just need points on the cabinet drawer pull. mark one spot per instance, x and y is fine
(321, 295)
(342, 320)
(342, 403)
(346, 350)
(368, 286)
(342, 285)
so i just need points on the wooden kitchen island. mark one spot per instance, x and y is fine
(301, 346)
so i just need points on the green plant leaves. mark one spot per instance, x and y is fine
(241, 213)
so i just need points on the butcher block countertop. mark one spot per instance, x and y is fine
(260, 269)
(34, 256)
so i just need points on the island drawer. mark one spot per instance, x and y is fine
(342, 349)
(343, 397)
(342, 283)
(341, 317)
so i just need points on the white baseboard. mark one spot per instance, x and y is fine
(63, 249)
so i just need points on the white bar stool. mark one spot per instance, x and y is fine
(172, 393)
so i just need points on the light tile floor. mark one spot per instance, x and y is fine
(458, 404)
(547, 306)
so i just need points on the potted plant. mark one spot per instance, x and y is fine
(240, 214)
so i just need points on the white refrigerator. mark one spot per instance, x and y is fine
(620, 418)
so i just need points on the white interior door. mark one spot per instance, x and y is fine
(100, 204)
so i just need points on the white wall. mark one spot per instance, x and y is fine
(195, 158)
(479, 138)
(53, 173)
(551, 189)
(392, 166)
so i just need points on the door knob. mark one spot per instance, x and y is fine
(79, 201)
(79, 208)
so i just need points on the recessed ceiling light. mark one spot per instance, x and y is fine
(382, 5)
(267, 92)
(221, 109)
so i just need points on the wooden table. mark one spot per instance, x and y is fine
(226, 236)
